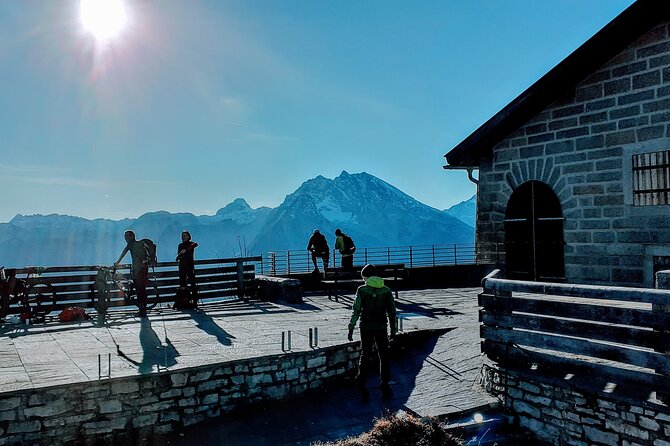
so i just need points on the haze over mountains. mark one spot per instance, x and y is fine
(371, 211)
(466, 211)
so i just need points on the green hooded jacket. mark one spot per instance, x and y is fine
(374, 304)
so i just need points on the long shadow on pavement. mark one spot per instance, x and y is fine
(207, 324)
(328, 414)
(154, 353)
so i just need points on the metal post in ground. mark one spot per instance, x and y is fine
(313, 337)
(286, 341)
(109, 366)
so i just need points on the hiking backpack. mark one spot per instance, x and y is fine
(349, 246)
(150, 248)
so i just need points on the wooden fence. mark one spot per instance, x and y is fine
(54, 288)
(620, 334)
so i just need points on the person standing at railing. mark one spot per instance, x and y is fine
(374, 304)
(346, 246)
(185, 257)
(139, 269)
(318, 246)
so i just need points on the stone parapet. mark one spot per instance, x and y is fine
(562, 415)
(135, 410)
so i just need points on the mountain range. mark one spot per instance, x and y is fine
(371, 211)
(466, 211)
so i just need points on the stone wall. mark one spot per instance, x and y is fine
(581, 146)
(562, 415)
(132, 410)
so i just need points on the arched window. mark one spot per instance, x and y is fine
(534, 234)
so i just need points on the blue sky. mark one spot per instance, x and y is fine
(195, 103)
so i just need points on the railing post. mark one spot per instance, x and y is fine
(663, 345)
(273, 263)
(455, 256)
(288, 262)
(410, 256)
(433, 246)
(240, 278)
(366, 256)
(388, 255)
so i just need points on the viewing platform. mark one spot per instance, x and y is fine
(159, 375)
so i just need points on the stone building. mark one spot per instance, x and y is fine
(574, 174)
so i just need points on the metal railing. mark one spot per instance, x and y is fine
(279, 263)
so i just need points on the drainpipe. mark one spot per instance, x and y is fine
(474, 180)
(469, 169)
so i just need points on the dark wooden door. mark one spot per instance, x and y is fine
(534, 234)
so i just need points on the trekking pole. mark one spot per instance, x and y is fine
(160, 307)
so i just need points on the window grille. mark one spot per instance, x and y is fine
(651, 178)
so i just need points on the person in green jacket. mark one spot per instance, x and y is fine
(374, 304)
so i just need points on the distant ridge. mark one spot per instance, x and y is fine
(466, 211)
(372, 211)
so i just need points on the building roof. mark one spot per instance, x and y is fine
(627, 27)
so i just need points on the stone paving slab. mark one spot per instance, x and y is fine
(439, 379)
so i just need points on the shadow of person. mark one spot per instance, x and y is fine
(154, 353)
(205, 323)
(334, 411)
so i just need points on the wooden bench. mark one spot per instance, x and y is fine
(55, 288)
(337, 278)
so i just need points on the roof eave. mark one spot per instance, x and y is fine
(627, 27)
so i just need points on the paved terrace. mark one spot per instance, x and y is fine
(437, 377)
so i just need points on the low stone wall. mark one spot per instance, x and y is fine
(279, 289)
(663, 280)
(562, 415)
(133, 410)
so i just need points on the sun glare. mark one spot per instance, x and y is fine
(103, 18)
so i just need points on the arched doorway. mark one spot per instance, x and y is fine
(534, 234)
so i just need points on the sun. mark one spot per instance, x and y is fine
(103, 18)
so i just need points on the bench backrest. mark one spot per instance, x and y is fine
(76, 285)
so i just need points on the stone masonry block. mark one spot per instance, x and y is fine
(125, 387)
(601, 104)
(201, 376)
(620, 138)
(625, 112)
(645, 95)
(605, 127)
(568, 111)
(573, 133)
(600, 437)
(647, 79)
(652, 132)
(24, 427)
(316, 362)
(626, 70)
(590, 189)
(649, 424)
(617, 86)
(145, 420)
(179, 379)
(559, 124)
(593, 118)
(10, 403)
(170, 393)
(590, 142)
